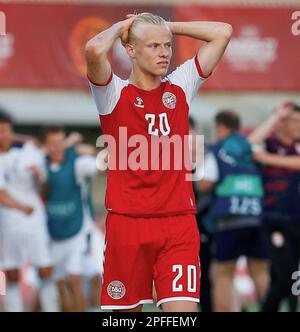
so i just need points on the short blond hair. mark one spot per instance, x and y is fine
(144, 18)
(148, 18)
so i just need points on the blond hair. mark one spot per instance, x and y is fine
(144, 18)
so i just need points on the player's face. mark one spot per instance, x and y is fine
(55, 146)
(153, 49)
(221, 132)
(6, 136)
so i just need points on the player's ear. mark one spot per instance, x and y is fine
(130, 50)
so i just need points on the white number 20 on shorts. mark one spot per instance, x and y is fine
(191, 276)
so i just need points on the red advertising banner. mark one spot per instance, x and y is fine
(44, 43)
(264, 53)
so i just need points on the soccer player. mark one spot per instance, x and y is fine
(67, 173)
(231, 173)
(23, 228)
(280, 136)
(151, 232)
(203, 201)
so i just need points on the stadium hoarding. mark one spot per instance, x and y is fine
(44, 43)
(263, 54)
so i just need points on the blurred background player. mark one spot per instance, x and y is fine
(92, 231)
(230, 172)
(94, 237)
(23, 228)
(67, 198)
(203, 201)
(280, 137)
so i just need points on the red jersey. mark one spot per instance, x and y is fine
(135, 119)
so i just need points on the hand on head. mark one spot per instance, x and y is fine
(284, 109)
(126, 27)
(74, 138)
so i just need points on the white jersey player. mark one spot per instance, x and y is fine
(23, 228)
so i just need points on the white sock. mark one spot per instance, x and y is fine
(13, 300)
(49, 296)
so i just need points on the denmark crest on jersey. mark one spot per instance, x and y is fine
(169, 100)
(116, 290)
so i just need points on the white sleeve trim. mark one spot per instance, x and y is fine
(188, 77)
(107, 96)
(116, 307)
(179, 298)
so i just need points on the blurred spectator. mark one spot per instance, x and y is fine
(23, 228)
(280, 135)
(67, 198)
(203, 202)
(231, 174)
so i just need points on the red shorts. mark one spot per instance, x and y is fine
(143, 251)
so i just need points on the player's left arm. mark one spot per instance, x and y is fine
(85, 150)
(75, 139)
(7, 201)
(206, 186)
(265, 129)
(216, 35)
(210, 174)
(38, 177)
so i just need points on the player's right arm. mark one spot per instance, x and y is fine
(272, 159)
(75, 139)
(9, 202)
(262, 132)
(97, 49)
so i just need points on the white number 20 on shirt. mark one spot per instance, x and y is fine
(164, 126)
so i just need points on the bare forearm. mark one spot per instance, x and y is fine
(86, 150)
(73, 139)
(8, 201)
(104, 41)
(216, 35)
(39, 183)
(205, 186)
(98, 66)
(266, 128)
(263, 131)
(206, 31)
(289, 162)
